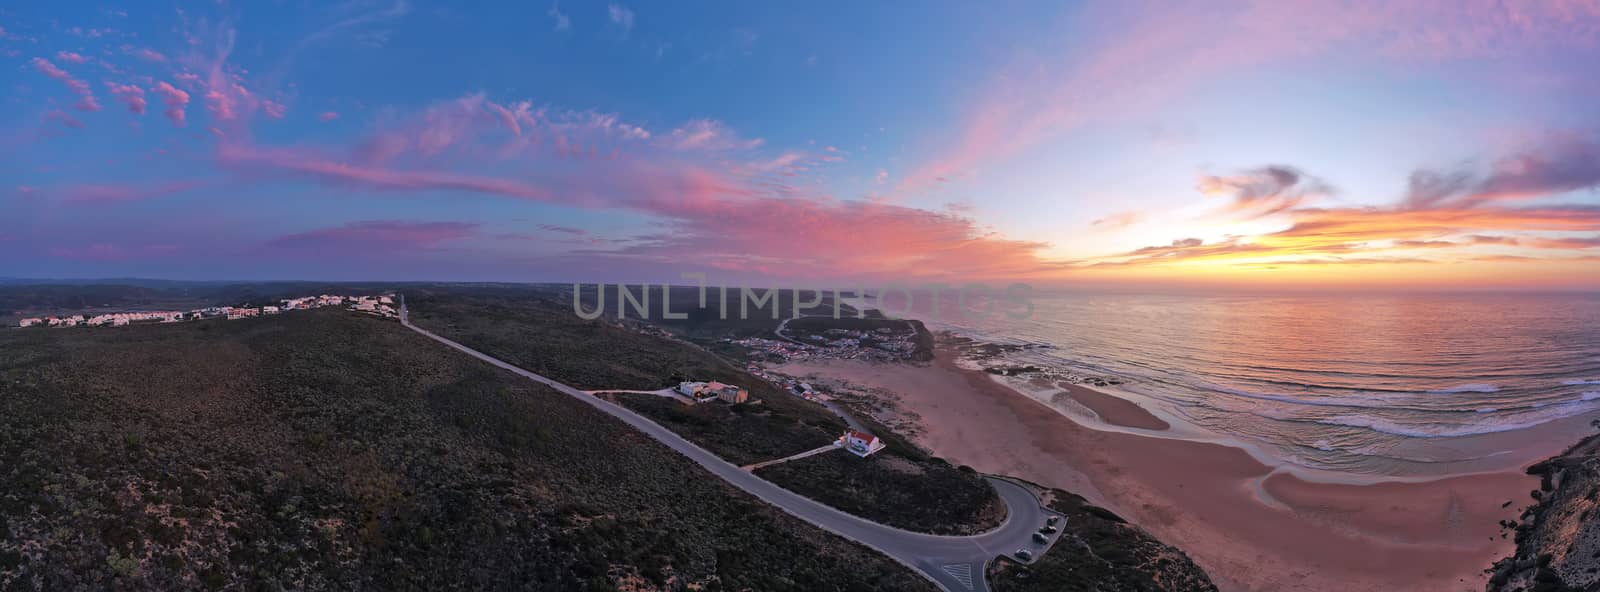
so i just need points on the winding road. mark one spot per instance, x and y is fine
(955, 563)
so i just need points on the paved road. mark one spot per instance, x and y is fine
(955, 563)
(813, 452)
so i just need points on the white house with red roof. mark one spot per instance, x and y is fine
(861, 443)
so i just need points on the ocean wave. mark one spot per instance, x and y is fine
(1373, 402)
(1467, 388)
(1590, 396)
(1581, 382)
(1545, 414)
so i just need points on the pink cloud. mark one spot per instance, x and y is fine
(1153, 51)
(221, 105)
(100, 194)
(273, 109)
(507, 117)
(715, 207)
(175, 100)
(328, 116)
(374, 177)
(71, 57)
(130, 95)
(833, 240)
(381, 235)
(86, 100)
(707, 134)
(1118, 220)
(145, 53)
(63, 117)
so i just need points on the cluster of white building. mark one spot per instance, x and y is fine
(881, 344)
(378, 305)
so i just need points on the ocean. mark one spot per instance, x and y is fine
(1404, 385)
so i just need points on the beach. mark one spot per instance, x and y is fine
(1251, 527)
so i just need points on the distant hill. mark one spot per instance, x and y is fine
(37, 297)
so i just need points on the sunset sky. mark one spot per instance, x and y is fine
(1426, 144)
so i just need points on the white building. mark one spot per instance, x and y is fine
(703, 392)
(30, 322)
(862, 444)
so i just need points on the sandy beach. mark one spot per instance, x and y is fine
(1250, 527)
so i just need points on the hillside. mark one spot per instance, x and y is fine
(537, 330)
(1558, 541)
(322, 450)
(1099, 552)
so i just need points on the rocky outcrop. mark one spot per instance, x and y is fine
(1558, 540)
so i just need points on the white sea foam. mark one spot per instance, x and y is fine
(1467, 388)
(1543, 414)
(1581, 382)
(1590, 396)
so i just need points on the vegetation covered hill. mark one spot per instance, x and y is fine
(322, 450)
(901, 485)
(1099, 552)
(537, 330)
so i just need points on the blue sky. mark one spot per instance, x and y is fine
(1183, 142)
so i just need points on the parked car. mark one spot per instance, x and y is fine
(1041, 539)
(1023, 554)
(1053, 520)
(1048, 530)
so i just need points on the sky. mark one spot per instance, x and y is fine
(1425, 144)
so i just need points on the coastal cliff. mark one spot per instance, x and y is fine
(1558, 541)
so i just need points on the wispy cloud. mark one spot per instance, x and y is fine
(1264, 191)
(1161, 49)
(105, 194)
(86, 100)
(561, 21)
(622, 17)
(1118, 221)
(380, 235)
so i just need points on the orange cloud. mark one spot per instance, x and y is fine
(1506, 207)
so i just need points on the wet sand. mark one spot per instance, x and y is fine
(1114, 410)
(1249, 527)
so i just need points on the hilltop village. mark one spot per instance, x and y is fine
(883, 344)
(382, 306)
